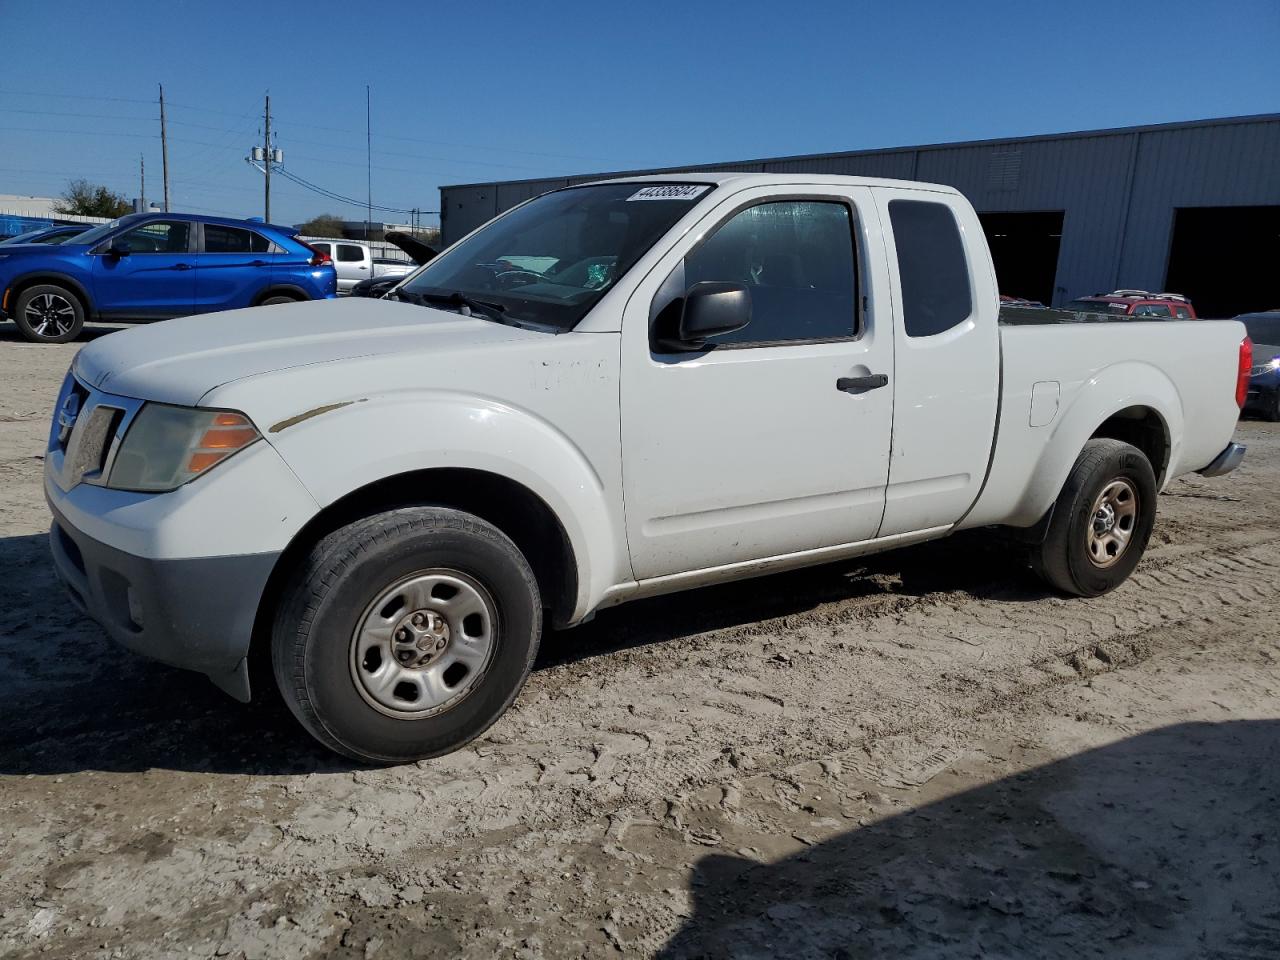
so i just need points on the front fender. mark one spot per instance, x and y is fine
(79, 285)
(339, 451)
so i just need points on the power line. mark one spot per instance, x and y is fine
(342, 198)
(73, 96)
(313, 126)
(61, 113)
(329, 145)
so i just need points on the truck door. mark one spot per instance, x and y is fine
(352, 261)
(946, 359)
(775, 439)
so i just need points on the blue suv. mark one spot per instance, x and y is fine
(152, 266)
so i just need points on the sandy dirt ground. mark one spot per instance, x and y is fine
(922, 754)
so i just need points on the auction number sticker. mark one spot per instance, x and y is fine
(670, 191)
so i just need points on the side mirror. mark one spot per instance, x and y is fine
(713, 307)
(117, 251)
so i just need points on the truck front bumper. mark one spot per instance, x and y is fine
(1224, 462)
(179, 577)
(195, 613)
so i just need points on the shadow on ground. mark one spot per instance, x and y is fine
(74, 700)
(978, 563)
(1163, 845)
(9, 334)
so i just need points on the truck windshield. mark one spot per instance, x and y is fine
(550, 261)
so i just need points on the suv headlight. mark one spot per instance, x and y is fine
(166, 446)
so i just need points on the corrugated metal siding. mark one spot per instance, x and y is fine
(1227, 165)
(462, 209)
(1118, 188)
(1083, 176)
(896, 165)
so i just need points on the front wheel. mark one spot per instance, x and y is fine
(407, 634)
(48, 313)
(1102, 520)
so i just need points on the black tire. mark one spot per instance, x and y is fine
(1063, 559)
(277, 298)
(331, 594)
(56, 314)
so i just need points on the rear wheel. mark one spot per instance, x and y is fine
(1101, 522)
(277, 298)
(405, 635)
(47, 313)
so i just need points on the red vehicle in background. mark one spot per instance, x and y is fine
(1135, 303)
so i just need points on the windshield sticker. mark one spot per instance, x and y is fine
(671, 191)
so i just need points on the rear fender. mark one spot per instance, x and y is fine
(340, 450)
(1110, 390)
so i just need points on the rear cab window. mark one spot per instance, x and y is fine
(350, 253)
(932, 267)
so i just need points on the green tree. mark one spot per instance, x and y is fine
(325, 225)
(85, 199)
(429, 236)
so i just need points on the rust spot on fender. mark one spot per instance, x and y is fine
(308, 414)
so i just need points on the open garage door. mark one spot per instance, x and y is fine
(1226, 259)
(1024, 247)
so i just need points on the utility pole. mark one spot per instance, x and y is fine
(266, 164)
(368, 143)
(142, 182)
(264, 157)
(164, 151)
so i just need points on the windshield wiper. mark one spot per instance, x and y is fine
(459, 299)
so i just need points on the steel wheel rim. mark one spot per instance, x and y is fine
(49, 310)
(1112, 523)
(424, 644)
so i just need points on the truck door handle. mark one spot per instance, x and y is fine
(862, 384)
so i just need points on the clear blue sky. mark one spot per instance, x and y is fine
(471, 92)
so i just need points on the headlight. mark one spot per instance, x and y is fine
(167, 446)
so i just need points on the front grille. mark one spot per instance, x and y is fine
(87, 451)
(87, 429)
(74, 403)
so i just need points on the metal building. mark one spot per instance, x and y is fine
(1189, 207)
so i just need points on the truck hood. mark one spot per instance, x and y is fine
(179, 361)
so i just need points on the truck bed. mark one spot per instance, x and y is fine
(1040, 316)
(1057, 369)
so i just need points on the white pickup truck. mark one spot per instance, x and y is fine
(354, 261)
(612, 391)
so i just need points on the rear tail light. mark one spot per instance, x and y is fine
(318, 257)
(1242, 375)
